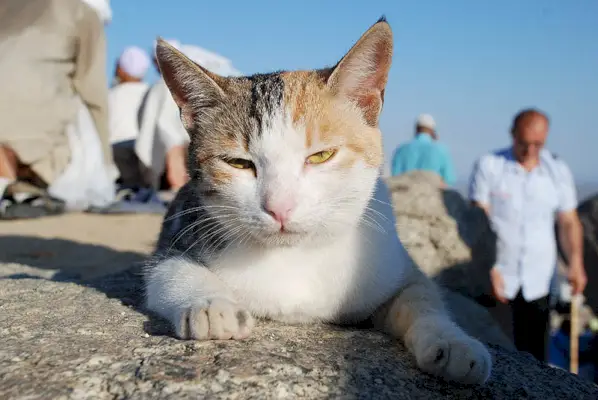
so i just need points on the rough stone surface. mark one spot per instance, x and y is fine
(78, 333)
(449, 239)
(66, 340)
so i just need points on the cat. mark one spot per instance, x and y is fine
(285, 216)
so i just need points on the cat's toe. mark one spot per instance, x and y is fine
(245, 322)
(434, 357)
(220, 320)
(453, 355)
(228, 320)
(467, 361)
(192, 323)
(199, 323)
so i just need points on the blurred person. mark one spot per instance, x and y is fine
(522, 188)
(162, 142)
(53, 102)
(424, 152)
(124, 102)
(131, 66)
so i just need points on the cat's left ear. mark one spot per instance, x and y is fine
(362, 73)
(192, 87)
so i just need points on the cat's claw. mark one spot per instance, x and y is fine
(453, 355)
(216, 319)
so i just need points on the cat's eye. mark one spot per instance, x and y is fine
(320, 157)
(240, 163)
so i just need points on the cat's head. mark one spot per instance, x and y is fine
(285, 156)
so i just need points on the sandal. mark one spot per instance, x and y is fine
(22, 200)
(31, 207)
(134, 201)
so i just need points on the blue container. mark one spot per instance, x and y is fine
(559, 351)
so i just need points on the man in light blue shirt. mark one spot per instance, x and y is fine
(522, 188)
(424, 153)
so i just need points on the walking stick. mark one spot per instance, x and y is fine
(574, 334)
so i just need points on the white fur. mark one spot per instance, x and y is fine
(333, 266)
(343, 263)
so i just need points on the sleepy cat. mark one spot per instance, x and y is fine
(285, 216)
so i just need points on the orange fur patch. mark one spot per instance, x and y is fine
(219, 174)
(329, 119)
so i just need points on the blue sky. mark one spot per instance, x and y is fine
(472, 64)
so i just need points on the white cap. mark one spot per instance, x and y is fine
(102, 8)
(426, 121)
(211, 61)
(134, 61)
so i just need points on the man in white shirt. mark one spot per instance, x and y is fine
(522, 188)
(124, 102)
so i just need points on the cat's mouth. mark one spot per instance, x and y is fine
(284, 230)
(281, 229)
(283, 235)
(276, 233)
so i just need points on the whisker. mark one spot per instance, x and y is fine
(212, 220)
(197, 208)
(211, 233)
(381, 202)
(373, 221)
(229, 234)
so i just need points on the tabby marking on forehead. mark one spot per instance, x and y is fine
(266, 97)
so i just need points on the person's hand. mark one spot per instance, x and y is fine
(176, 170)
(577, 276)
(498, 285)
(177, 177)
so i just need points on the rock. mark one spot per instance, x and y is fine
(588, 214)
(68, 340)
(450, 240)
(80, 333)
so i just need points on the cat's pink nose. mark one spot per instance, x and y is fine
(280, 210)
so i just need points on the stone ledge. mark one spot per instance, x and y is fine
(62, 340)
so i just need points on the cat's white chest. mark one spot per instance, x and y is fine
(307, 284)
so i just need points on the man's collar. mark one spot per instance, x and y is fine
(510, 156)
(423, 136)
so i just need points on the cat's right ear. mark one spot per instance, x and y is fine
(362, 73)
(192, 87)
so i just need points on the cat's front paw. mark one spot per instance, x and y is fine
(216, 319)
(448, 352)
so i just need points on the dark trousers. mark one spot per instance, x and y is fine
(526, 324)
(132, 172)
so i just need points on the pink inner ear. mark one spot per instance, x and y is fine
(368, 93)
(377, 80)
(369, 96)
(187, 117)
(370, 103)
